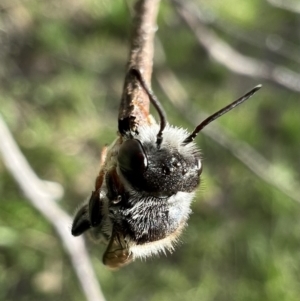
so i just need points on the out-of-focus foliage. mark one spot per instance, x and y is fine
(62, 67)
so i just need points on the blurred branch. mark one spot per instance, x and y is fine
(232, 59)
(241, 150)
(273, 42)
(293, 6)
(44, 202)
(277, 44)
(134, 106)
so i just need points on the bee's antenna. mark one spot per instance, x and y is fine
(219, 113)
(157, 105)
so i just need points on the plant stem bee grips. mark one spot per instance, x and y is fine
(145, 186)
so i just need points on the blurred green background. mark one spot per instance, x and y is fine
(62, 67)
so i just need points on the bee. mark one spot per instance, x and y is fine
(147, 181)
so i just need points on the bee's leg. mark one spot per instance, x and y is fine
(90, 215)
(117, 253)
(115, 188)
(95, 208)
(96, 202)
(99, 179)
(81, 221)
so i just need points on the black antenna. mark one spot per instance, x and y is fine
(157, 105)
(218, 114)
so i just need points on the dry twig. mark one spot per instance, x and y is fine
(134, 107)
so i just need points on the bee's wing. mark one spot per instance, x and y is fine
(117, 253)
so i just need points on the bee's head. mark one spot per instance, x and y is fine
(160, 171)
(162, 160)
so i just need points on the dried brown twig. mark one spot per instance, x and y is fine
(134, 107)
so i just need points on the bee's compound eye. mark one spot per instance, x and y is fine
(132, 157)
